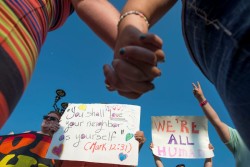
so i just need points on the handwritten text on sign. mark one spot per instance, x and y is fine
(102, 133)
(180, 137)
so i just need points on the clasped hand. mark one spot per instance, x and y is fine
(134, 66)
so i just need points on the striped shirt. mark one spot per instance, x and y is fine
(24, 25)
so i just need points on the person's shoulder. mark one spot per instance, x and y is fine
(233, 132)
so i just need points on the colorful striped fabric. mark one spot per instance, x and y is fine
(24, 25)
(25, 150)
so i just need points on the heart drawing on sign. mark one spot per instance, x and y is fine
(61, 138)
(129, 136)
(57, 150)
(122, 156)
(82, 107)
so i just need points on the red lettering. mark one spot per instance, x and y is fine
(160, 126)
(193, 128)
(169, 125)
(184, 127)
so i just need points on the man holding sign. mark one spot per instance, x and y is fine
(228, 135)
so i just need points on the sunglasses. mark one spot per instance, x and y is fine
(46, 117)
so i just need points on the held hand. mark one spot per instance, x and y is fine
(139, 136)
(53, 127)
(128, 79)
(131, 36)
(135, 63)
(151, 146)
(210, 146)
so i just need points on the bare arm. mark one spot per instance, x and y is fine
(208, 162)
(152, 9)
(139, 136)
(100, 16)
(134, 69)
(157, 159)
(221, 127)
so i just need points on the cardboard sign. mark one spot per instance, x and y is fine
(102, 133)
(180, 137)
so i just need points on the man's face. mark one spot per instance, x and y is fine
(50, 122)
(51, 117)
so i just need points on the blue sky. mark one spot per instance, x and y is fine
(72, 59)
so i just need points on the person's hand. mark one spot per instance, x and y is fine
(151, 146)
(197, 91)
(50, 127)
(210, 146)
(53, 127)
(135, 63)
(139, 136)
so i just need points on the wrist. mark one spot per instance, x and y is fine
(134, 20)
(143, 140)
(201, 99)
(203, 103)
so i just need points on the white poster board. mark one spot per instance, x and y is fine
(102, 133)
(180, 137)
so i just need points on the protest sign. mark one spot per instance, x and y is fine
(102, 133)
(180, 137)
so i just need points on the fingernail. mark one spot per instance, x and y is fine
(142, 37)
(107, 84)
(122, 51)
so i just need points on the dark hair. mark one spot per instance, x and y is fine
(180, 165)
(55, 112)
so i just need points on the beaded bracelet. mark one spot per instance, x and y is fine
(133, 12)
(203, 103)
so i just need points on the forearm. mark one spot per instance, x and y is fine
(212, 116)
(152, 9)
(209, 111)
(140, 146)
(158, 161)
(100, 16)
(208, 162)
